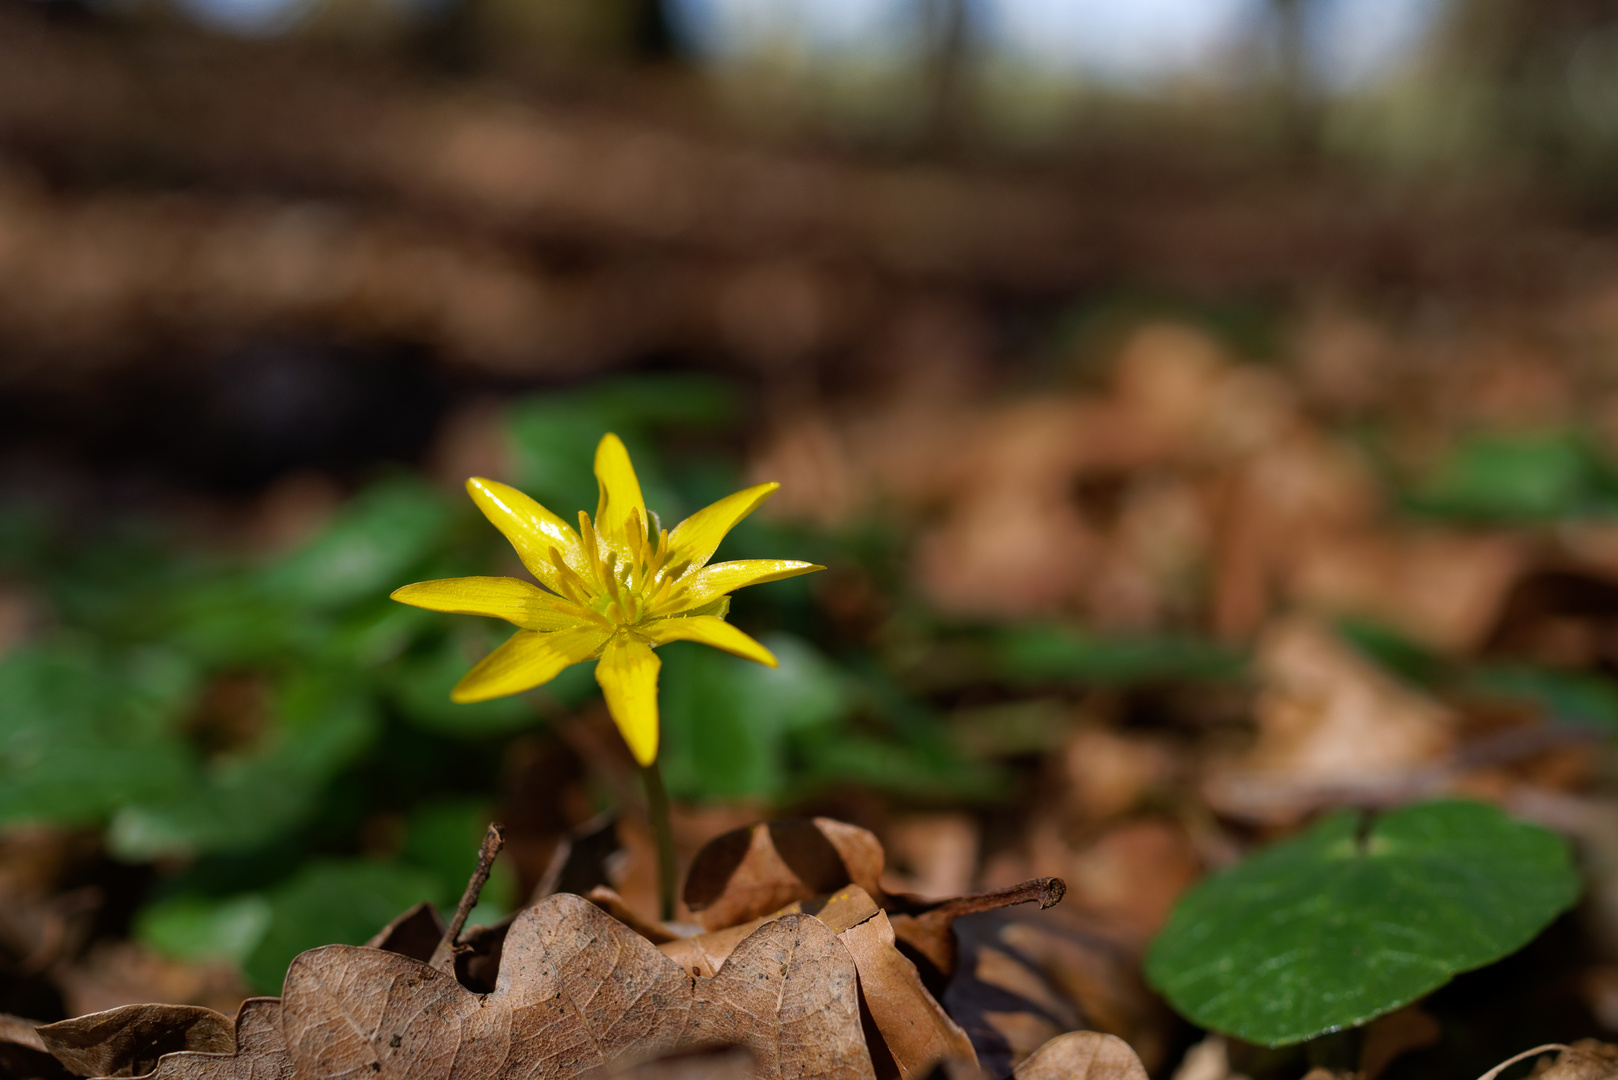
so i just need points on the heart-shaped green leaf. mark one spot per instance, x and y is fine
(1344, 923)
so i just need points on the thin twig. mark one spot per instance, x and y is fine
(443, 957)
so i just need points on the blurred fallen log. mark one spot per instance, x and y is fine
(197, 188)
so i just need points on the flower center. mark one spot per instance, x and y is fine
(627, 579)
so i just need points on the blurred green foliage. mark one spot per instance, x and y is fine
(242, 721)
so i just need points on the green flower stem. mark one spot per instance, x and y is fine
(657, 806)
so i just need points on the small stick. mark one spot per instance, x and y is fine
(1510, 1061)
(443, 957)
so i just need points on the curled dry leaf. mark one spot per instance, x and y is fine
(750, 872)
(927, 927)
(127, 1041)
(415, 934)
(1586, 1059)
(714, 1063)
(1333, 728)
(577, 992)
(914, 1029)
(259, 1053)
(22, 1052)
(1082, 1055)
(1020, 982)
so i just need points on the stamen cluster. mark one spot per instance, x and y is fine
(626, 587)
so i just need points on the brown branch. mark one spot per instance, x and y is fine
(443, 957)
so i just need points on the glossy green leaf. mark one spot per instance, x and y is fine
(1344, 923)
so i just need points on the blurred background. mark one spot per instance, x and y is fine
(1207, 411)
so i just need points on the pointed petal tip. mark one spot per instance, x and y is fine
(402, 594)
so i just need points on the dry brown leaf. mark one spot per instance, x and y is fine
(714, 1063)
(915, 1030)
(1330, 721)
(926, 927)
(577, 992)
(1133, 873)
(1207, 1060)
(22, 1052)
(750, 872)
(415, 934)
(259, 1052)
(1442, 589)
(1082, 1055)
(609, 901)
(1586, 1059)
(1022, 979)
(1397, 1033)
(127, 1041)
(705, 954)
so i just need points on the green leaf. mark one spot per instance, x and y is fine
(366, 552)
(1031, 654)
(1573, 697)
(82, 734)
(331, 903)
(199, 928)
(725, 719)
(323, 722)
(1391, 649)
(421, 681)
(553, 436)
(1516, 477)
(1336, 926)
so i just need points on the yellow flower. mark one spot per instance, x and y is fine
(611, 590)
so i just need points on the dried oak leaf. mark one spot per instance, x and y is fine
(1021, 982)
(713, 1063)
(912, 1027)
(127, 1041)
(577, 992)
(750, 872)
(927, 927)
(22, 1052)
(1586, 1059)
(259, 1053)
(1082, 1055)
(415, 933)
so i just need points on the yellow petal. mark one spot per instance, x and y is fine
(532, 529)
(708, 630)
(528, 660)
(694, 539)
(620, 493)
(628, 677)
(712, 582)
(506, 598)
